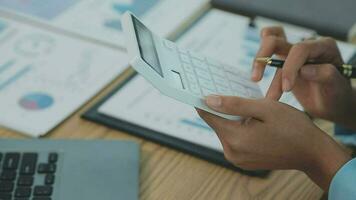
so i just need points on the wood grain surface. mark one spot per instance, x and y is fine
(169, 174)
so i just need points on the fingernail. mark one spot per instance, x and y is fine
(309, 72)
(286, 85)
(213, 101)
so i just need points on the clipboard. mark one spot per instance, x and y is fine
(196, 150)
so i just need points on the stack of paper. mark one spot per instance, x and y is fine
(45, 76)
(100, 19)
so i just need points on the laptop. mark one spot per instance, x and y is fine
(59, 169)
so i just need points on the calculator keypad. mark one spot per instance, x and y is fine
(206, 77)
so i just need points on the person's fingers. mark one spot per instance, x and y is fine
(223, 127)
(319, 73)
(275, 89)
(215, 122)
(296, 58)
(268, 34)
(237, 106)
(270, 45)
(325, 50)
(273, 30)
(301, 53)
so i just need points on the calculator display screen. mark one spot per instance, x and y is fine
(147, 47)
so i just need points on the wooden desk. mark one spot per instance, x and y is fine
(170, 174)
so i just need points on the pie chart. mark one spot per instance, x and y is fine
(36, 101)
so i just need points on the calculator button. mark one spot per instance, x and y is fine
(231, 77)
(8, 175)
(23, 192)
(246, 84)
(214, 63)
(28, 164)
(242, 94)
(237, 75)
(11, 161)
(49, 179)
(5, 196)
(44, 168)
(206, 83)
(237, 87)
(254, 87)
(237, 80)
(240, 90)
(183, 51)
(6, 186)
(170, 45)
(191, 78)
(195, 89)
(53, 157)
(217, 71)
(200, 64)
(43, 191)
(221, 81)
(203, 73)
(207, 92)
(223, 90)
(197, 56)
(25, 181)
(188, 68)
(184, 58)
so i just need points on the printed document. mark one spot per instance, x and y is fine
(100, 19)
(138, 102)
(45, 77)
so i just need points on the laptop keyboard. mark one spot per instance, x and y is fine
(23, 177)
(207, 77)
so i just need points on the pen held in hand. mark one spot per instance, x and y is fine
(347, 70)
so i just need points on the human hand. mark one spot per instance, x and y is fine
(321, 89)
(275, 136)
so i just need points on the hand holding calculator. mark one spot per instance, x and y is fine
(180, 74)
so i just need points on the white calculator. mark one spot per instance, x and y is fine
(181, 74)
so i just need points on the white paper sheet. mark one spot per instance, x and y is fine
(293, 32)
(44, 77)
(140, 103)
(100, 19)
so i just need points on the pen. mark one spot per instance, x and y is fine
(347, 70)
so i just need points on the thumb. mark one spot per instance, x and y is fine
(319, 73)
(237, 106)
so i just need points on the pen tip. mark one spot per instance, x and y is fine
(263, 59)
